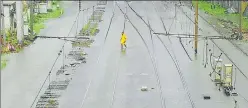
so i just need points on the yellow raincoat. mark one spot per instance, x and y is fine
(123, 39)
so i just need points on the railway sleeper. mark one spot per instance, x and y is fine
(47, 106)
(49, 96)
(57, 88)
(59, 82)
(44, 101)
(52, 86)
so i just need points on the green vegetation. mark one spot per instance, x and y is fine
(85, 28)
(220, 13)
(85, 43)
(11, 34)
(39, 19)
(89, 28)
(93, 29)
(3, 63)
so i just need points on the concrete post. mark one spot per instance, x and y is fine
(2, 23)
(31, 18)
(20, 32)
(1, 3)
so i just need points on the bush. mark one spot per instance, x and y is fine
(219, 12)
(3, 63)
(40, 18)
(93, 30)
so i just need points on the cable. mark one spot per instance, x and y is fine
(99, 57)
(156, 73)
(180, 40)
(154, 67)
(213, 51)
(235, 45)
(217, 47)
(48, 76)
(175, 61)
(162, 22)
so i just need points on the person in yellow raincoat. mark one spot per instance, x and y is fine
(123, 40)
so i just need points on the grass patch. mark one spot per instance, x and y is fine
(90, 29)
(220, 13)
(93, 29)
(85, 29)
(84, 43)
(38, 27)
(11, 34)
(39, 19)
(206, 6)
(3, 63)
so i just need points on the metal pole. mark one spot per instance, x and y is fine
(241, 16)
(31, 18)
(93, 13)
(3, 24)
(196, 26)
(1, 4)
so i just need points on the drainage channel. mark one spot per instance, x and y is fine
(77, 56)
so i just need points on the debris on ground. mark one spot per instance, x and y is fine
(206, 97)
(234, 94)
(144, 88)
(231, 10)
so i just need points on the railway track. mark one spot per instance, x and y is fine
(152, 59)
(98, 58)
(169, 29)
(175, 61)
(216, 45)
(246, 100)
(235, 45)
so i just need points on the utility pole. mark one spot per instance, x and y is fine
(93, 13)
(196, 26)
(79, 5)
(1, 2)
(241, 16)
(32, 18)
(2, 23)
(20, 32)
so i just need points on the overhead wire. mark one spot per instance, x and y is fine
(99, 57)
(217, 46)
(151, 57)
(118, 68)
(180, 40)
(220, 55)
(167, 32)
(60, 51)
(174, 61)
(156, 72)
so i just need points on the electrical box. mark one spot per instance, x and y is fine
(218, 70)
(227, 75)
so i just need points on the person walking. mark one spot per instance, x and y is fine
(123, 40)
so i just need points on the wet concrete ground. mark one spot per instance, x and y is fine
(225, 29)
(113, 79)
(27, 70)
